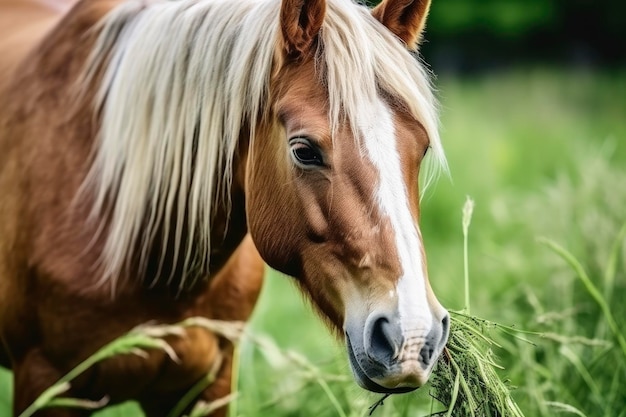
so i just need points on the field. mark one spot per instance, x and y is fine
(543, 154)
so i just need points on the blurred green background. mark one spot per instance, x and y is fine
(533, 119)
(477, 35)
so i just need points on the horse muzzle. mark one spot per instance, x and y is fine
(389, 356)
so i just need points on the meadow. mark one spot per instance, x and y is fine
(542, 153)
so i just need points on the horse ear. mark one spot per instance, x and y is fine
(300, 23)
(405, 18)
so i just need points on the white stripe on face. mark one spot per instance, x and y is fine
(378, 132)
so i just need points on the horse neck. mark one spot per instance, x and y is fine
(228, 221)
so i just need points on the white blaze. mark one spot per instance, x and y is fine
(378, 132)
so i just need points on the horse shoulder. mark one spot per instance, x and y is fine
(45, 151)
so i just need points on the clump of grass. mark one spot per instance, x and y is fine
(465, 378)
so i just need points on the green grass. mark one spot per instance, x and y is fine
(543, 154)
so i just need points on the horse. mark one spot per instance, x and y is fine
(156, 155)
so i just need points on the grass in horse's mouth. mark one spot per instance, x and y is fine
(465, 378)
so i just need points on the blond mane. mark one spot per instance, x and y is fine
(181, 79)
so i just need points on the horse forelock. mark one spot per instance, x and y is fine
(182, 79)
(360, 60)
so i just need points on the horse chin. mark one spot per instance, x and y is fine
(365, 381)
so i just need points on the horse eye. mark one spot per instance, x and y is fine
(305, 154)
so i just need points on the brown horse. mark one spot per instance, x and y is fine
(149, 149)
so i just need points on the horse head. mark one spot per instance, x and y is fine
(332, 188)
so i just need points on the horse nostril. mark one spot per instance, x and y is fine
(445, 325)
(435, 341)
(382, 347)
(426, 354)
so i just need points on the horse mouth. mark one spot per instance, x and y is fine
(365, 381)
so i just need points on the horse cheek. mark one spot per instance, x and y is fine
(273, 225)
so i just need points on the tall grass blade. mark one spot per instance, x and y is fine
(203, 409)
(611, 268)
(565, 408)
(319, 378)
(197, 389)
(584, 374)
(614, 392)
(455, 394)
(468, 209)
(77, 403)
(591, 289)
